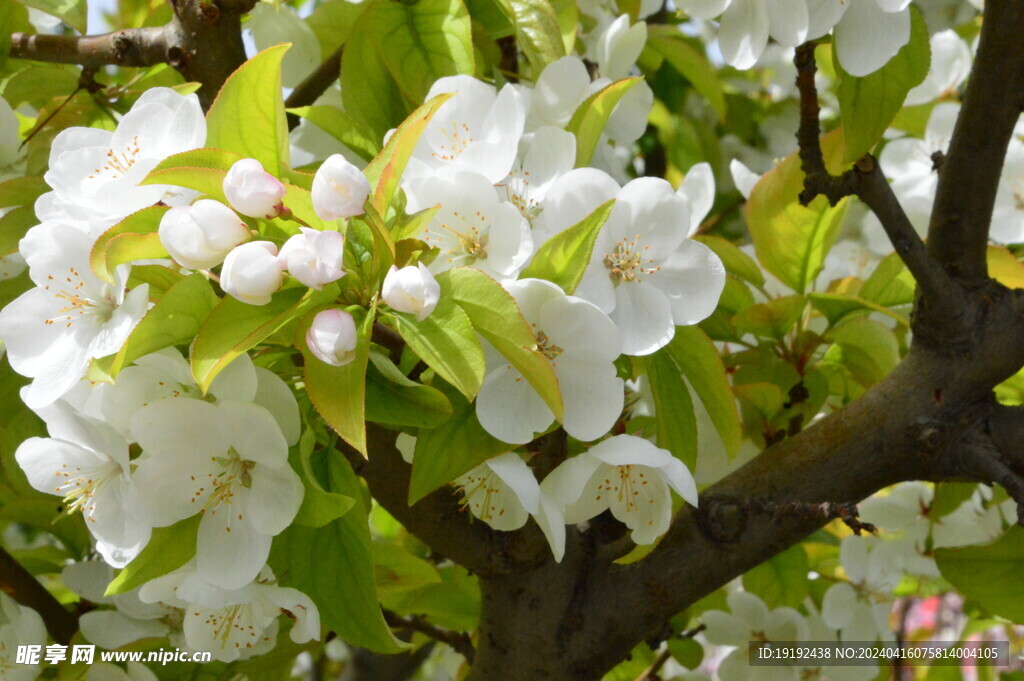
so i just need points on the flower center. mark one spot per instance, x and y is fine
(235, 472)
(466, 241)
(79, 487)
(77, 301)
(546, 347)
(628, 261)
(458, 140)
(475, 485)
(119, 163)
(518, 193)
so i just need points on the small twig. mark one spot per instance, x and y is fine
(651, 673)
(19, 584)
(130, 47)
(314, 85)
(866, 181)
(459, 641)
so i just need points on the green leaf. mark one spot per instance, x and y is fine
(248, 115)
(453, 604)
(368, 91)
(686, 651)
(891, 283)
(398, 571)
(71, 12)
(319, 506)
(206, 157)
(137, 233)
(176, 318)
(13, 227)
(392, 399)
(333, 565)
(780, 580)
(737, 263)
(837, 306)
(22, 191)
(868, 105)
(341, 127)
(453, 448)
(563, 258)
(385, 171)
(168, 549)
(700, 363)
(446, 341)
(537, 30)
(495, 316)
(592, 115)
(690, 63)
(423, 41)
(235, 327)
(989, 574)
(865, 348)
(771, 320)
(339, 393)
(676, 422)
(949, 496)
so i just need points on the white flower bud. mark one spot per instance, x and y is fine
(339, 189)
(201, 235)
(253, 191)
(332, 337)
(314, 257)
(252, 273)
(411, 289)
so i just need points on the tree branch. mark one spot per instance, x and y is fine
(203, 41)
(969, 176)
(19, 584)
(867, 182)
(459, 641)
(315, 84)
(437, 519)
(130, 47)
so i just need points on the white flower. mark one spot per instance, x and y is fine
(545, 155)
(504, 493)
(85, 461)
(950, 66)
(476, 130)
(698, 190)
(165, 374)
(253, 191)
(95, 173)
(131, 619)
(411, 289)
(19, 625)
(749, 619)
(332, 337)
(627, 475)
(52, 331)
(867, 34)
(619, 46)
(644, 273)
(339, 189)
(228, 462)
(313, 257)
(201, 235)
(252, 272)
(581, 344)
(559, 89)
(238, 623)
(860, 608)
(747, 24)
(472, 226)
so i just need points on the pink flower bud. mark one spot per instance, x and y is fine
(411, 289)
(252, 273)
(332, 337)
(314, 257)
(339, 189)
(201, 235)
(253, 191)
